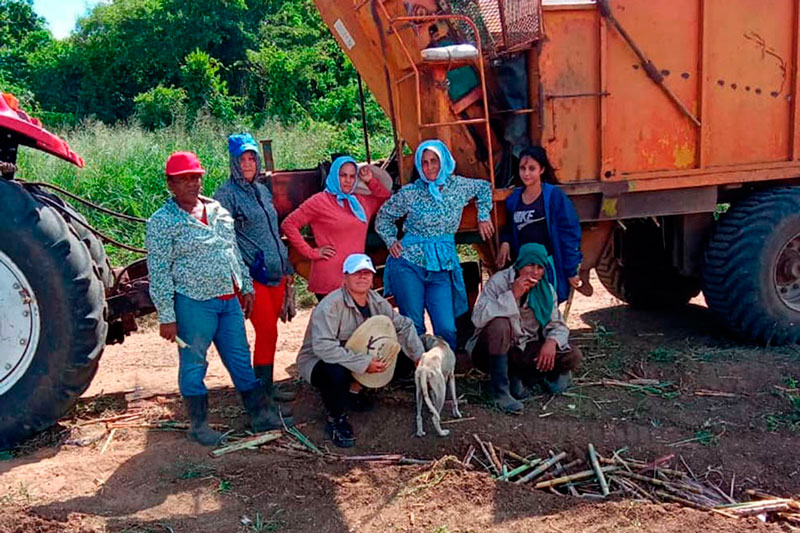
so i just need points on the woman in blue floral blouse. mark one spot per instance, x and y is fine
(196, 272)
(423, 271)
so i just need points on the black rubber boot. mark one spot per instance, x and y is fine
(200, 431)
(264, 373)
(340, 431)
(498, 371)
(263, 416)
(518, 388)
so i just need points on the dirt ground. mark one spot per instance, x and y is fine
(156, 481)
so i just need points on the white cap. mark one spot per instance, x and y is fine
(357, 262)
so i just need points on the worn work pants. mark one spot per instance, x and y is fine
(416, 290)
(201, 322)
(266, 311)
(496, 339)
(333, 382)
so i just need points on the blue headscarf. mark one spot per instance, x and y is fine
(448, 166)
(333, 186)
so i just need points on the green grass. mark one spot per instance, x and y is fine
(663, 355)
(790, 417)
(125, 165)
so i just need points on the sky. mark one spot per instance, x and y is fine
(62, 14)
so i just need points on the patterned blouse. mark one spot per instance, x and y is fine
(197, 260)
(428, 218)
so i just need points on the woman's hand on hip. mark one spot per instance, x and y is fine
(168, 331)
(503, 255)
(396, 250)
(325, 252)
(486, 229)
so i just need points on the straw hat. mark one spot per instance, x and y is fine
(378, 338)
(378, 173)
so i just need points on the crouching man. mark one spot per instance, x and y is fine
(521, 336)
(353, 334)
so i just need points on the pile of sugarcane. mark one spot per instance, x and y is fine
(596, 477)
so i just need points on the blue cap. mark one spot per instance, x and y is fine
(239, 143)
(356, 263)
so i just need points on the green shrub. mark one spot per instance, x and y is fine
(160, 106)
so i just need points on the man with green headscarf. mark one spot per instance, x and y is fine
(520, 334)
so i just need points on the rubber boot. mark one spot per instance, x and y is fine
(263, 416)
(199, 430)
(518, 388)
(498, 372)
(264, 373)
(558, 383)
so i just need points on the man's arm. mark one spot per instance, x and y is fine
(496, 300)
(557, 329)
(159, 264)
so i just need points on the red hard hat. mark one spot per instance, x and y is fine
(181, 163)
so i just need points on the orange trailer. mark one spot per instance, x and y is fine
(657, 116)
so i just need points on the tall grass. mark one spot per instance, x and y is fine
(125, 165)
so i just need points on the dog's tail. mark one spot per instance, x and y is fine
(435, 387)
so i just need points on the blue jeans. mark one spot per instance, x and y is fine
(416, 290)
(199, 323)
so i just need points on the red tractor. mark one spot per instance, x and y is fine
(60, 301)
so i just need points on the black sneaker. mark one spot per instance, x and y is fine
(360, 402)
(340, 431)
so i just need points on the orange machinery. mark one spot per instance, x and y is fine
(657, 116)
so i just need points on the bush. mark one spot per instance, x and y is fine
(160, 106)
(206, 91)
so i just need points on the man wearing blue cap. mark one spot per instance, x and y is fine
(325, 361)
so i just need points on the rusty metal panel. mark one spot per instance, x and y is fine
(570, 80)
(750, 44)
(645, 130)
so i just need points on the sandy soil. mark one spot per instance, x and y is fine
(157, 481)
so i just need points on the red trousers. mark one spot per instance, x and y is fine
(266, 310)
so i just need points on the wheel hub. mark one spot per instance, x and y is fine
(787, 273)
(20, 324)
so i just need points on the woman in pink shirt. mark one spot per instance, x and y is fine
(338, 220)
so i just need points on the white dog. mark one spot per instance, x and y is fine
(435, 372)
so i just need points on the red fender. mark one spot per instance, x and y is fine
(14, 119)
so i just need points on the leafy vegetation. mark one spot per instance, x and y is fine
(158, 60)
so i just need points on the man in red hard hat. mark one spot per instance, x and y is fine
(195, 274)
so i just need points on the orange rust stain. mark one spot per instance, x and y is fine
(684, 156)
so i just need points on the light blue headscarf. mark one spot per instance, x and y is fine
(448, 166)
(333, 186)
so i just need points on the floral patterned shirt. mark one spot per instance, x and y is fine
(426, 217)
(197, 260)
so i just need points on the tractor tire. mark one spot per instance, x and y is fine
(751, 270)
(53, 311)
(635, 268)
(78, 223)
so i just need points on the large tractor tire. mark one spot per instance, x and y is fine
(52, 314)
(636, 268)
(79, 225)
(751, 271)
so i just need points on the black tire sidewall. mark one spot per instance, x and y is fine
(71, 305)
